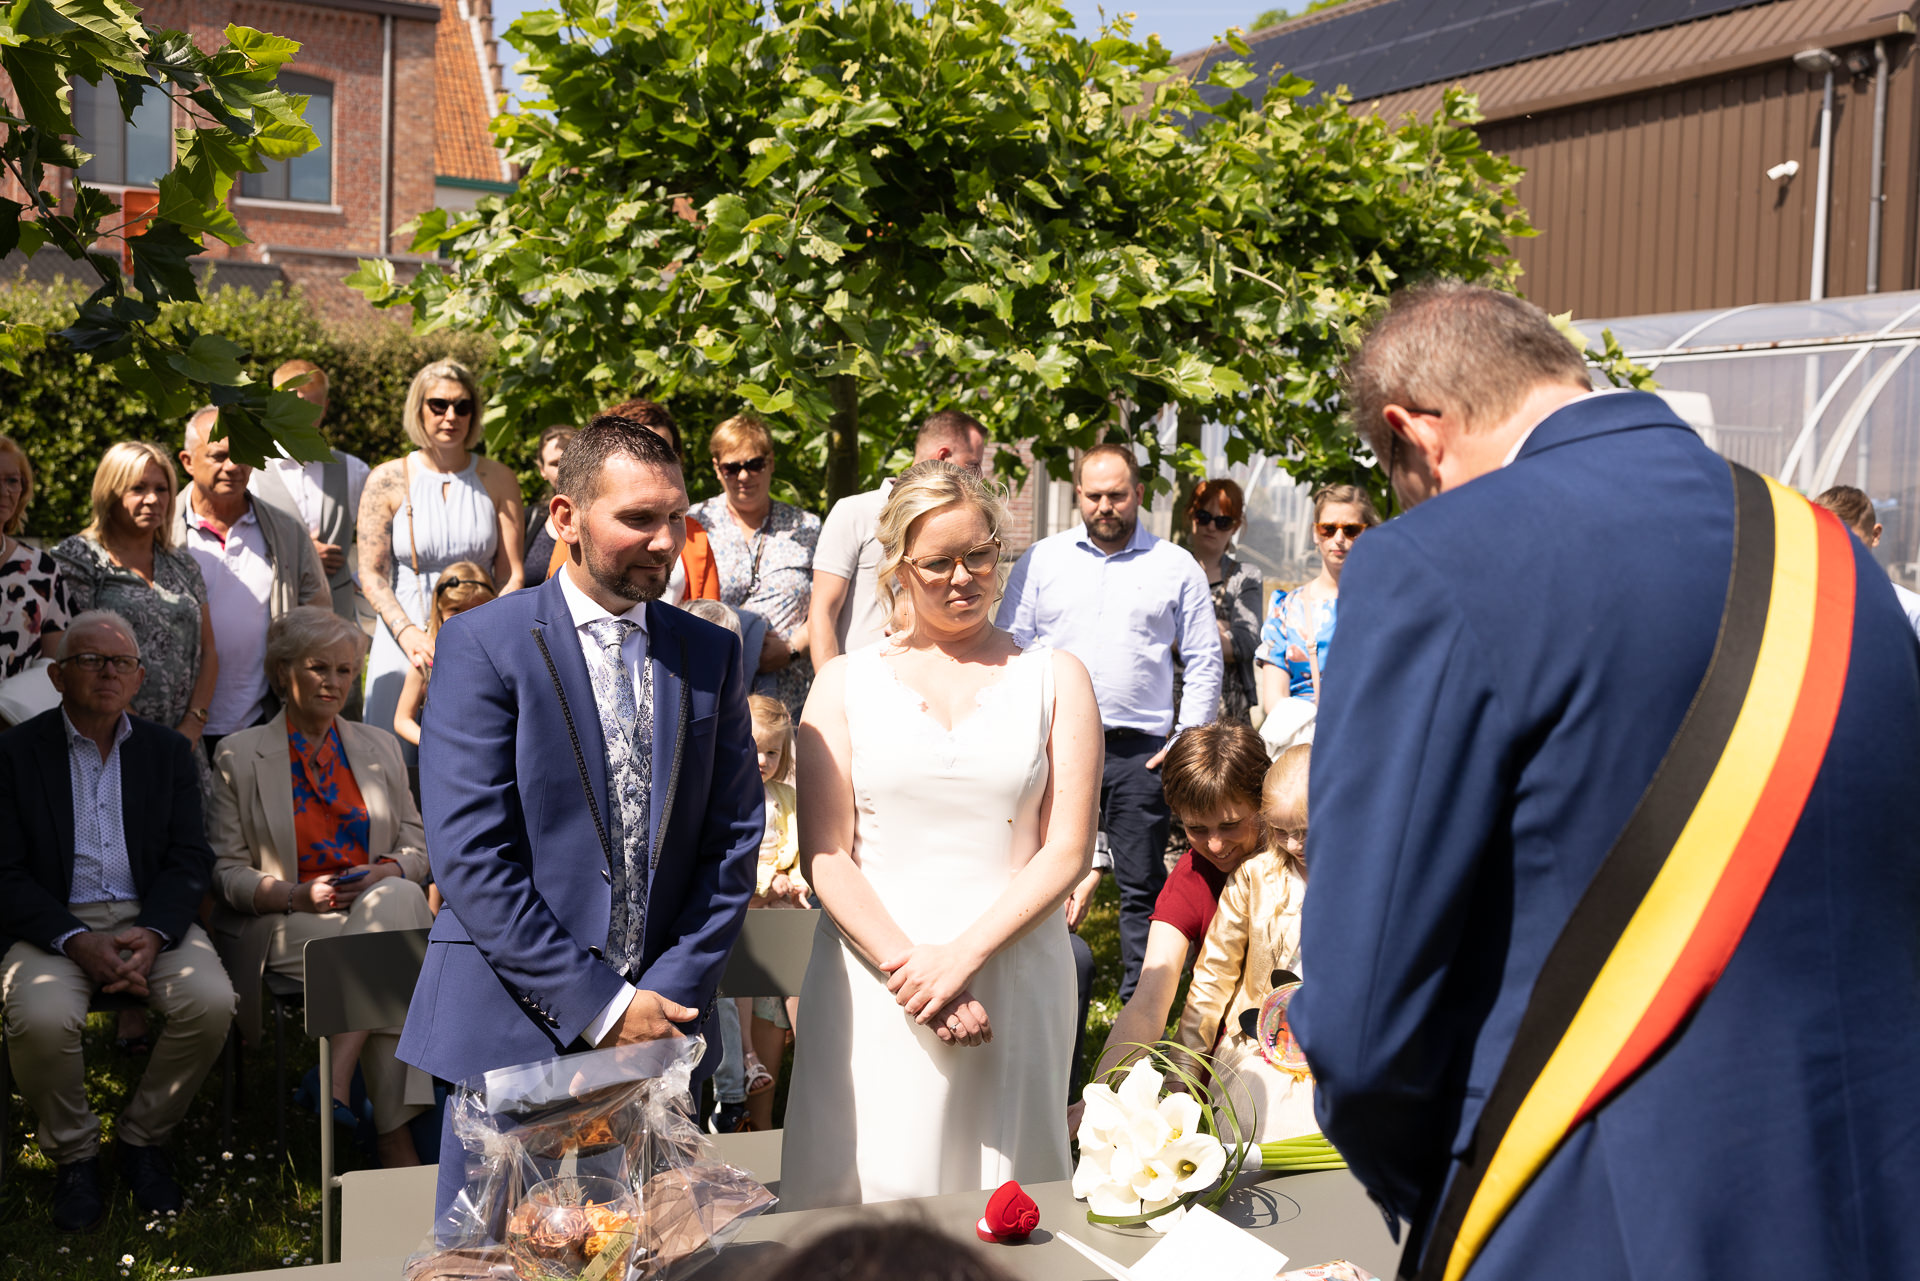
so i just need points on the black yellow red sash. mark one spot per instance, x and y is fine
(1676, 892)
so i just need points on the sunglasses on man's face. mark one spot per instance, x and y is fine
(755, 464)
(1204, 520)
(458, 408)
(1327, 529)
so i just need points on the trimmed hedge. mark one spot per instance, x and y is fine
(66, 409)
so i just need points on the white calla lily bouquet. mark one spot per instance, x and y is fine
(1147, 1152)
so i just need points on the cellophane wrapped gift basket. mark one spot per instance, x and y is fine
(587, 1167)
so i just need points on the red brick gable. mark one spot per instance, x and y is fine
(464, 92)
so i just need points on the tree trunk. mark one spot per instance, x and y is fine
(843, 439)
(1186, 433)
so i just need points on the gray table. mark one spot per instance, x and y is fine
(1310, 1218)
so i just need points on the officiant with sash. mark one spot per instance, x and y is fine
(325, 496)
(1616, 865)
(592, 793)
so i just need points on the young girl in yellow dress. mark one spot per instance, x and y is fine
(1252, 945)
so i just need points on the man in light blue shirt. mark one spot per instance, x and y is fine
(1121, 600)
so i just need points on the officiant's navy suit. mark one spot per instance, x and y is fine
(1514, 659)
(513, 971)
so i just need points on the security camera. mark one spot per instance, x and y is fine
(1785, 169)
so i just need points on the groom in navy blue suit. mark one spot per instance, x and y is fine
(591, 792)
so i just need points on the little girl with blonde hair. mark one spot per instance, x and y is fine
(1251, 947)
(463, 586)
(768, 1019)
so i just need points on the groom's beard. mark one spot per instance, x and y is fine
(629, 581)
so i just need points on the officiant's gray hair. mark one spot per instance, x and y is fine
(923, 488)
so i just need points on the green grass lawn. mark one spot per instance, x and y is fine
(247, 1210)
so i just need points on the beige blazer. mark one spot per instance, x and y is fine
(250, 825)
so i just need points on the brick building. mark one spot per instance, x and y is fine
(400, 92)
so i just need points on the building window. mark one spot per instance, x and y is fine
(307, 178)
(126, 153)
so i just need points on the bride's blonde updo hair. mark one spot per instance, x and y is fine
(925, 487)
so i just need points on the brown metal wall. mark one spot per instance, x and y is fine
(1660, 202)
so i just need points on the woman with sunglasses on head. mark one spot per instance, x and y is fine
(421, 513)
(764, 551)
(1299, 623)
(1215, 513)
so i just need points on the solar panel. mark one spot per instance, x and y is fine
(1403, 44)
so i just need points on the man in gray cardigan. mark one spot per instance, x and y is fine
(258, 562)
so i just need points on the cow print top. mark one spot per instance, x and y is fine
(32, 600)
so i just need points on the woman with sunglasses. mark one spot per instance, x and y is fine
(421, 513)
(1215, 513)
(1299, 623)
(764, 551)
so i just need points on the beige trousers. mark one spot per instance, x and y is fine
(399, 1092)
(46, 998)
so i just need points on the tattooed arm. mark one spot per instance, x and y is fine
(509, 561)
(385, 491)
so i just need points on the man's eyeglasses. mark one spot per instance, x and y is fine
(124, 664)
(978, 560)
(1328, 528)
(757, 463)
(459, 408)
(1203, 520)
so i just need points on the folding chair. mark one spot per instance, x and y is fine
(769, 959)
(354, 983)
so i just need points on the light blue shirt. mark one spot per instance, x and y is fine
(1122, 615)
(102, 869)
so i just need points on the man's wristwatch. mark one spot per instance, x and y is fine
(198, 713)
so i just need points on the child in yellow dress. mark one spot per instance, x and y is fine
(1252, 945)
(767, 1019)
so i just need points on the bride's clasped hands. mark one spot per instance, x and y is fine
(930, 983)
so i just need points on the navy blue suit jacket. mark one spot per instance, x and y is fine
(513, 972)
(1514, 659)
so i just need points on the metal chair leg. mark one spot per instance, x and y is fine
(326, 1151)
(280, 1079)
(229, 1074)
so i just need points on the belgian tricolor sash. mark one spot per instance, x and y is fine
(1674, 895)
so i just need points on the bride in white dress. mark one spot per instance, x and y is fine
(948, 787)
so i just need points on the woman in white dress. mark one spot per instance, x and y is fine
(948, 787)
(440, 504)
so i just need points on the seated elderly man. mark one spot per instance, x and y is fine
(317, 835)
(100, 876)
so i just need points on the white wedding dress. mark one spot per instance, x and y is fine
(880, 1108)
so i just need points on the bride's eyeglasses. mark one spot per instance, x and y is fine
(978, 560)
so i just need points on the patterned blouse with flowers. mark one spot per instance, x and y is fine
(771, 573)
(331, 827)
(1294, 627)
(32, 600)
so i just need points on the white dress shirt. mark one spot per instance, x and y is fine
(303, 481)
(102, 869)
(633, 652)
(1121, 614)
(239, 576)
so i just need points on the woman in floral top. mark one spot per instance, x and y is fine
(124, 561)
(33, 600)
(1216, 512)
(764, 550)
(1299, 624)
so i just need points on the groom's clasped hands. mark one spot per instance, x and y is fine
(929, 980)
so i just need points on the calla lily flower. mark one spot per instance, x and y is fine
(1156, 1181)
(1095, 1168)
(1147, 1133)
(1182, 1112)
(1113, 1199)
(1197, 1160)
(1140, 1088)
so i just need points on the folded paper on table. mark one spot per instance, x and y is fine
(1201, 1244)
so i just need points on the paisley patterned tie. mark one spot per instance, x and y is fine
(626, 723)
